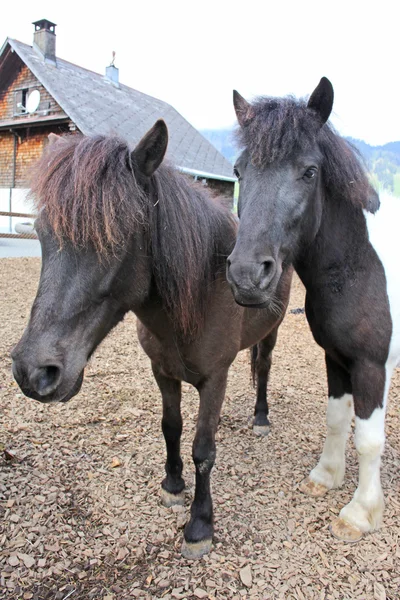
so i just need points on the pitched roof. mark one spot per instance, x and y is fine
(97, 106)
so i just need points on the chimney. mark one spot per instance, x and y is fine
(112, 72)
(44, 39)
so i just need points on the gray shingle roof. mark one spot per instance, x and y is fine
(96, 106)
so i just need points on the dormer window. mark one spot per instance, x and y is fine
(20, 98)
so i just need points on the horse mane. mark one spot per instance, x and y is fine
(86, 189)
(192, 234)
(89, 194)
(280, 127)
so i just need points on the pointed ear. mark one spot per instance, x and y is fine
(321, 100)
(150, 151)
(243, 109)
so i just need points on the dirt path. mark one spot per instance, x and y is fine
(74, 526)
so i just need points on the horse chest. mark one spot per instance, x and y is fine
(168, 356)
(351, 324)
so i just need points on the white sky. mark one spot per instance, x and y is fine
(192, 54)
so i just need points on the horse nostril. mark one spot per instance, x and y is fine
(46, 379)
(228, 273)
(267, 272)
(268, 266)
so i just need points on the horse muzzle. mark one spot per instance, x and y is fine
(47, 383)
(253, 282)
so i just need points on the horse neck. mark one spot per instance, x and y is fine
(181, 291)
(154, 317)
(339, 247)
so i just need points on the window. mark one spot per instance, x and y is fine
(20, 97)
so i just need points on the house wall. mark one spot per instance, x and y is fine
(6, 158)
(30, 144)
(224, 189)
(30, 140)
(25, 80)
(221, 190)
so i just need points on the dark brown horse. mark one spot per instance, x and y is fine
(305, 200)
(122, 232)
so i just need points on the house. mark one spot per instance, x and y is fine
(40, 93)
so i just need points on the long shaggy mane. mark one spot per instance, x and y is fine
(87, 189)
(277, 128)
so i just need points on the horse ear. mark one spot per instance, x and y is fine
(150, 151)
(53, 138)
(243, 109)
(321, 100)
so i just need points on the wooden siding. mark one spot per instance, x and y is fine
(30, 139)
(24, 80)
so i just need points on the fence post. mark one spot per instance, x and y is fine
(10, 209)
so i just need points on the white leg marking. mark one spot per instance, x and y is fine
(330, 469)
(365, 511)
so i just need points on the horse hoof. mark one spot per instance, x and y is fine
(168, 499)
(196, 550)
(310, 488)
(261, 430)
(345, 532)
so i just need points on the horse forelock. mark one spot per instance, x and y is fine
(281, 127)
(277, 128)
(89, 195)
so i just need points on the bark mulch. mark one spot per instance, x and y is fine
(80, 483)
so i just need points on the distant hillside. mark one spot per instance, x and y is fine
(383, 162)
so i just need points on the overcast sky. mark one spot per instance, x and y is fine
(192, 54)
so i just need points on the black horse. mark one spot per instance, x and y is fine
(306, 200)
(120, 231)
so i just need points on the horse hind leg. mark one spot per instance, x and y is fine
(330, 470)
(172, 487)
(261, 360)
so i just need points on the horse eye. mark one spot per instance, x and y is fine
(310, 173)
(236, 173)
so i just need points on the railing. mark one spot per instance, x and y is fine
(23, 236)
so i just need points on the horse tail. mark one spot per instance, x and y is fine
(253, 356)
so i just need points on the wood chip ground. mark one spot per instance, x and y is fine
(80, 515)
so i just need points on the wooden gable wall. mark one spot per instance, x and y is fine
(31, 139)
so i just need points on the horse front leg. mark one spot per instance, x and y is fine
(365, 511)
(330, 470)
(199, 530)
(172, 487)
(262, 361)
